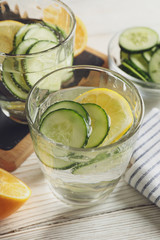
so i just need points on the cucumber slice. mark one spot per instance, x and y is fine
(59, 32)
(138, 39)
(65, 126)
(68, 105)
(99, 124)
(139, 61)
(11, 65)
(36, 69)
(99, 164)
(124, 55)
(147, 55)
(154, 69)
(34, 66)
(23, 47)
(130, 68)
(52, 162)
(40, 46)
(22, 31)
(12, 86)
(19, 79)
(42, 33)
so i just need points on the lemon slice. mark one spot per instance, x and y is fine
(81, 37)
(117, 108)
(8, 28)
(13, 193)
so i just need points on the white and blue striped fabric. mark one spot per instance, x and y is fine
(144, 173)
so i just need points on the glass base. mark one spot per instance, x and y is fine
(82, 196)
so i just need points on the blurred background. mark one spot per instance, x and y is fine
(105, 17)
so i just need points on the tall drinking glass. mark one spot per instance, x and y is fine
(21, 67)
(82, 176)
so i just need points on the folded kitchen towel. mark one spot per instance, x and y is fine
(144, 173)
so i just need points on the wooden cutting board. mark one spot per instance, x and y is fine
(15, 141)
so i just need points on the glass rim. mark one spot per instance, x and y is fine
(123, 139)
(141, 83)
(59, 44)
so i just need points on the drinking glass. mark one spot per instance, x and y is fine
(106, 164)
(32, 11)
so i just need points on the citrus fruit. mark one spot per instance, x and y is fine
(8, 28)
(13, 193)
(81, 37)
(51, 15)
(117, 108)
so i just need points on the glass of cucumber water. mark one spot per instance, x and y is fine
(84, 133)
(37, 37)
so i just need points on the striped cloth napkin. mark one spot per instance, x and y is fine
(144, 173)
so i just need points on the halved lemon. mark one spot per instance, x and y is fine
(58, 17)
(13, 193)
(117, 108)
(8, 28)
(81, 37)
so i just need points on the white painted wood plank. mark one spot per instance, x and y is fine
(131, 224)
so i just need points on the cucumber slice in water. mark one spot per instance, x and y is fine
(11, 65)
(96, 165)
(99, 124)
(52, 162)
(138, 39)
(22, 31)
(12, 86)
(65, 126)
(68, 105)
(23, 47)
(43, 33)
(34, 66)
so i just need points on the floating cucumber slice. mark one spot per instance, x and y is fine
(22, 31)
(12, 86)
(23, 47)
(99, 124)
(68, 105)
(65, 126)
(34, 66)
(43, 33)
(11, 65)
(96, 165)
(52, 162)
(138, 39)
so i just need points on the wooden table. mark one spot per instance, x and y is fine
(126, 215)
